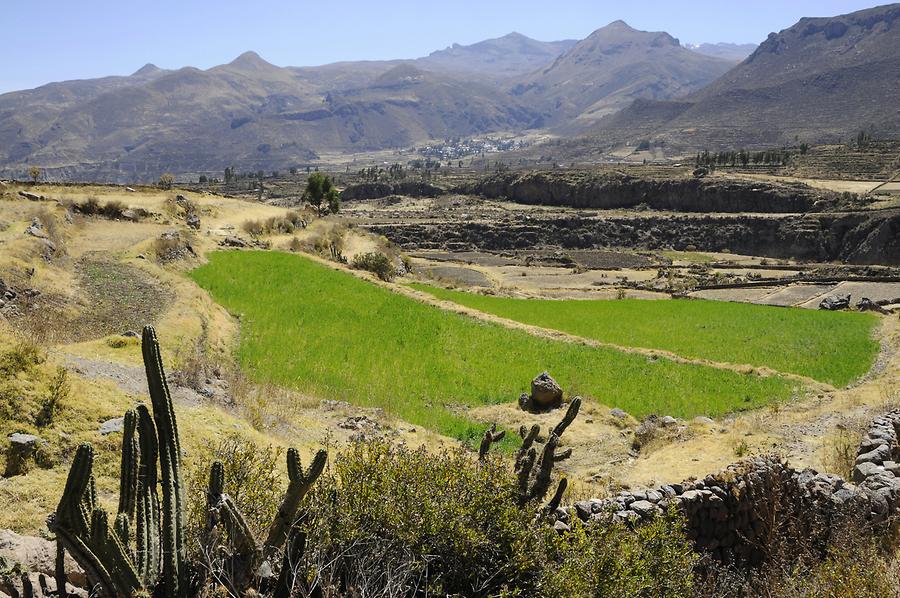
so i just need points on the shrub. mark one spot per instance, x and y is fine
(610, 560)
(57, 392)
(388, 516)
(20, 358)
(252, 480)
(377, 263)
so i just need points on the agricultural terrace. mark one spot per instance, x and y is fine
(329, 333)
(831, 347)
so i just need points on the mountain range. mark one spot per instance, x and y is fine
(821, 79)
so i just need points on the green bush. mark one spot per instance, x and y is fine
(609, 560)
(444, 524)
(253, 479)
(377, 263)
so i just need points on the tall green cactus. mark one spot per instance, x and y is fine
(147, 516)
(156, 562)
(172, 531)
(300, 483)
(128, 479)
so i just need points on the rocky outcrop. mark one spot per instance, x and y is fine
(734, 514)
(812, 237)
(618, 190)
(363, 191)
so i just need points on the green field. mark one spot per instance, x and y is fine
(832, 347)
(308, 327)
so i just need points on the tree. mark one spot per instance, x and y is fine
(35, 173)
(166, 180)
(321, 194)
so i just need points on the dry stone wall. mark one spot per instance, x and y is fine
(736, 514)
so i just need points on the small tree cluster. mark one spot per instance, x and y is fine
(321, 194)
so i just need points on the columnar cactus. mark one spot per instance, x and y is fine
(300, 483)
(129, 469)
(491, 435)
(172, 528)
(534, 473)
(156, 562)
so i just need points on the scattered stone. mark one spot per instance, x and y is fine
(31, 196)
(618, 413)
(22, 448)
(112, 426)
(702, 419)
(131, 334)
(193, 221)
(668, 420)
(129, 215)
(232, 241)
(835, 302)
(866, 304)
(36, 229)
(129, 190)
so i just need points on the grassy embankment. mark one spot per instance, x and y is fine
(308, 327)
(831, 347)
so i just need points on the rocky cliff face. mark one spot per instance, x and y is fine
(616, 190)
(363, 191)
(858, 237)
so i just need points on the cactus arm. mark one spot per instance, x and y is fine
(60, 570)
(524, 474)
(528, 438)
(147, 507)
(109, 549)
(300, 483)
(545, 469)
(491, 435)
(569, 417)
(556, 500)
(292, 556)
(172, 535)
(129, 466)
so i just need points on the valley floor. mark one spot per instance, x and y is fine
(105, 277)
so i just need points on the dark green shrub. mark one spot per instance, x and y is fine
(253, 479)
(610, 560)
(411, 519)
(377, 263)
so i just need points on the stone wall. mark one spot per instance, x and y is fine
(734, 515)
(856, 237)
(619, 190)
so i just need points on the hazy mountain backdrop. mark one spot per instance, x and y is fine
(824, 79)
(821, 79)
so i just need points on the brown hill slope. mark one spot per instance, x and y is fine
(611, 68)
(248, 114)
(513, 55)
(821, 80)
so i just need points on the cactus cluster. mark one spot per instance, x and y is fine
(143, 552)
(534, 470)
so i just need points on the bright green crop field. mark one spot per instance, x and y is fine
(832, 347)
(325, 332)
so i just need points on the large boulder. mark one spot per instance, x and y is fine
(37, 555)
(545, 392)
(22, 449)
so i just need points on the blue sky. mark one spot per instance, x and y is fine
(53, 40)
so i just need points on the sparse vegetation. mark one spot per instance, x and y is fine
(287, 224)
(425, 364)
(377, 263)
(831, 347)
